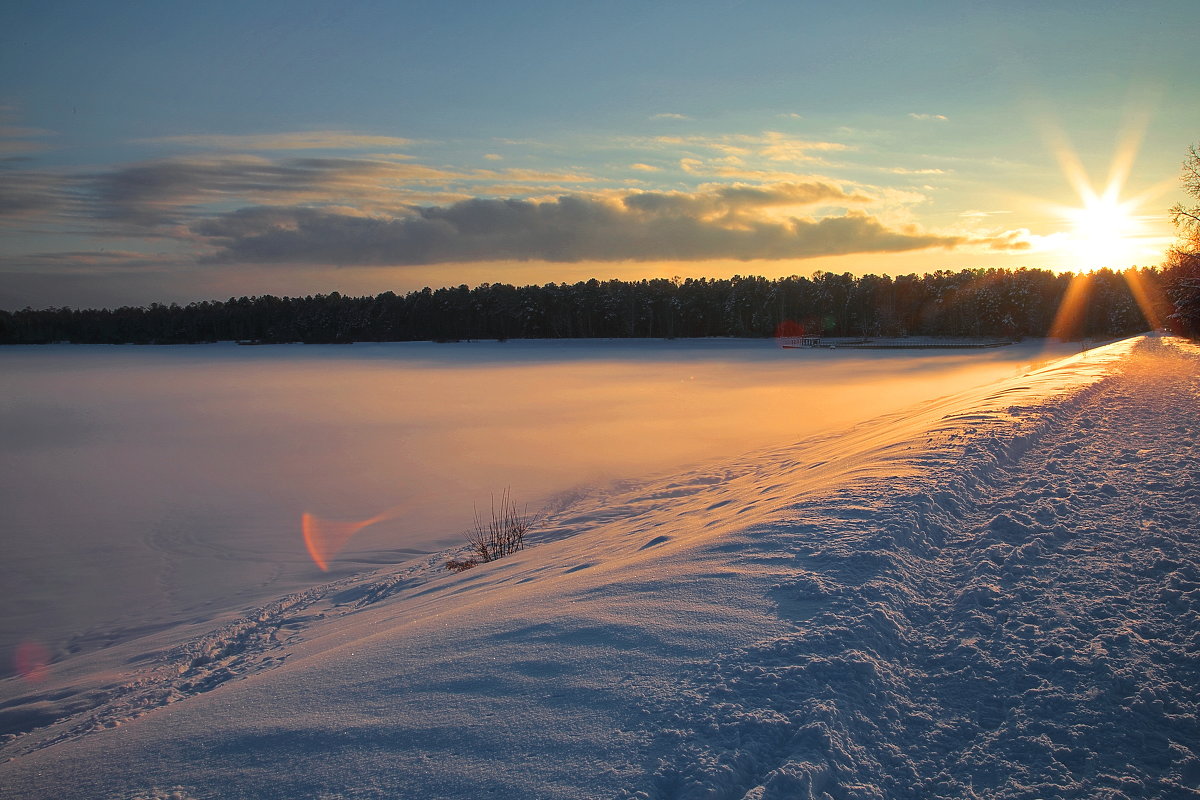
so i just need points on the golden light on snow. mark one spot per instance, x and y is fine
(325, 537)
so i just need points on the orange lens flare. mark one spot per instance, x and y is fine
(325, 537)
(32, 662)
(1072, 311)
(1149, 296)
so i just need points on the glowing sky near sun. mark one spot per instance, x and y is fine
(174, 152)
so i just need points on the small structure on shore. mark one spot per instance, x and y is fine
(800, 341)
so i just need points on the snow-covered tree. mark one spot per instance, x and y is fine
(1183, 262)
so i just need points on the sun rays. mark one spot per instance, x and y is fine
(1103, 230)
(1107, 226)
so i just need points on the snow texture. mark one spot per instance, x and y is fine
(992, 595)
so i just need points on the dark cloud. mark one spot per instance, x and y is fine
(638, 227)
(87, 261)
(24, 192)
(735, 199)
(170, 191)
(160, 192)
(28, 194)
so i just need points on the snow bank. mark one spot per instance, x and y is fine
(990, 595)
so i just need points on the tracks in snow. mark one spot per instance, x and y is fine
(1023, 624)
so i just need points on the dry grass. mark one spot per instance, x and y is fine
(497, 535)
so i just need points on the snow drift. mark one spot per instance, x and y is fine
(994, 595)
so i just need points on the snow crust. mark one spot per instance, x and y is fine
(992, 595)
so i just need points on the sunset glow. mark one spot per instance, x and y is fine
(763, 144)
(690, 398)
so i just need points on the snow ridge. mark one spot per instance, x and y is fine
(1021, 623)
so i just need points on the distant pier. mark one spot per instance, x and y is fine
(896, 343)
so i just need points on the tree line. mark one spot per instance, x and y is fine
(994, 303)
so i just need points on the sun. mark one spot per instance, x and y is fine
(1104, 232)
(1106, 227)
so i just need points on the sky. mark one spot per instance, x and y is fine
(163, 152)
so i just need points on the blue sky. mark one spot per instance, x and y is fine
(171, 152)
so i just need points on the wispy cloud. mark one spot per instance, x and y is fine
(303, 140)
(91, 261)
(734, 168)
(669, 115)
(906, 171)
(25, 193)
(933, 117)
(1014, 240)
(773, 146)
(644, 167)
(16, 140)
(168, 191)
(161, 192)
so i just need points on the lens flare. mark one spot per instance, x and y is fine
(1072, 311)
(325, 537)
(1148, 295)
(32, 662)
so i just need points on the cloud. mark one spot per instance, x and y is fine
(755, 157)
(671, 116)
(518, 175)
(976, 214)
(305, 140)
(16, 140)
(170, 191)
(734, 200)
(732, 167)
(1020, 239)
(27, 193)
(644, 167)
(493, 156)
(88, 261)
(159, 192)
(720, 223)
(906, 171)
(781, 147)
(934, 117)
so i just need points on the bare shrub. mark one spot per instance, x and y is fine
(503, 532)
(454, 565)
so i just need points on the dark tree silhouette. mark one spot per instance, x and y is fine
(1182, 273)
(990, 303)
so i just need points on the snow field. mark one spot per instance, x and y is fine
(990, 595)
(1022, 625)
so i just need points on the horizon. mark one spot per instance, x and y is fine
(181, 155)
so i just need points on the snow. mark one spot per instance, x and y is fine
(146, 487)
(993, 594)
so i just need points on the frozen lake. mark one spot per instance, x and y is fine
(147, 486)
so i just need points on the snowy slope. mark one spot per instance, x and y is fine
(991, 595)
